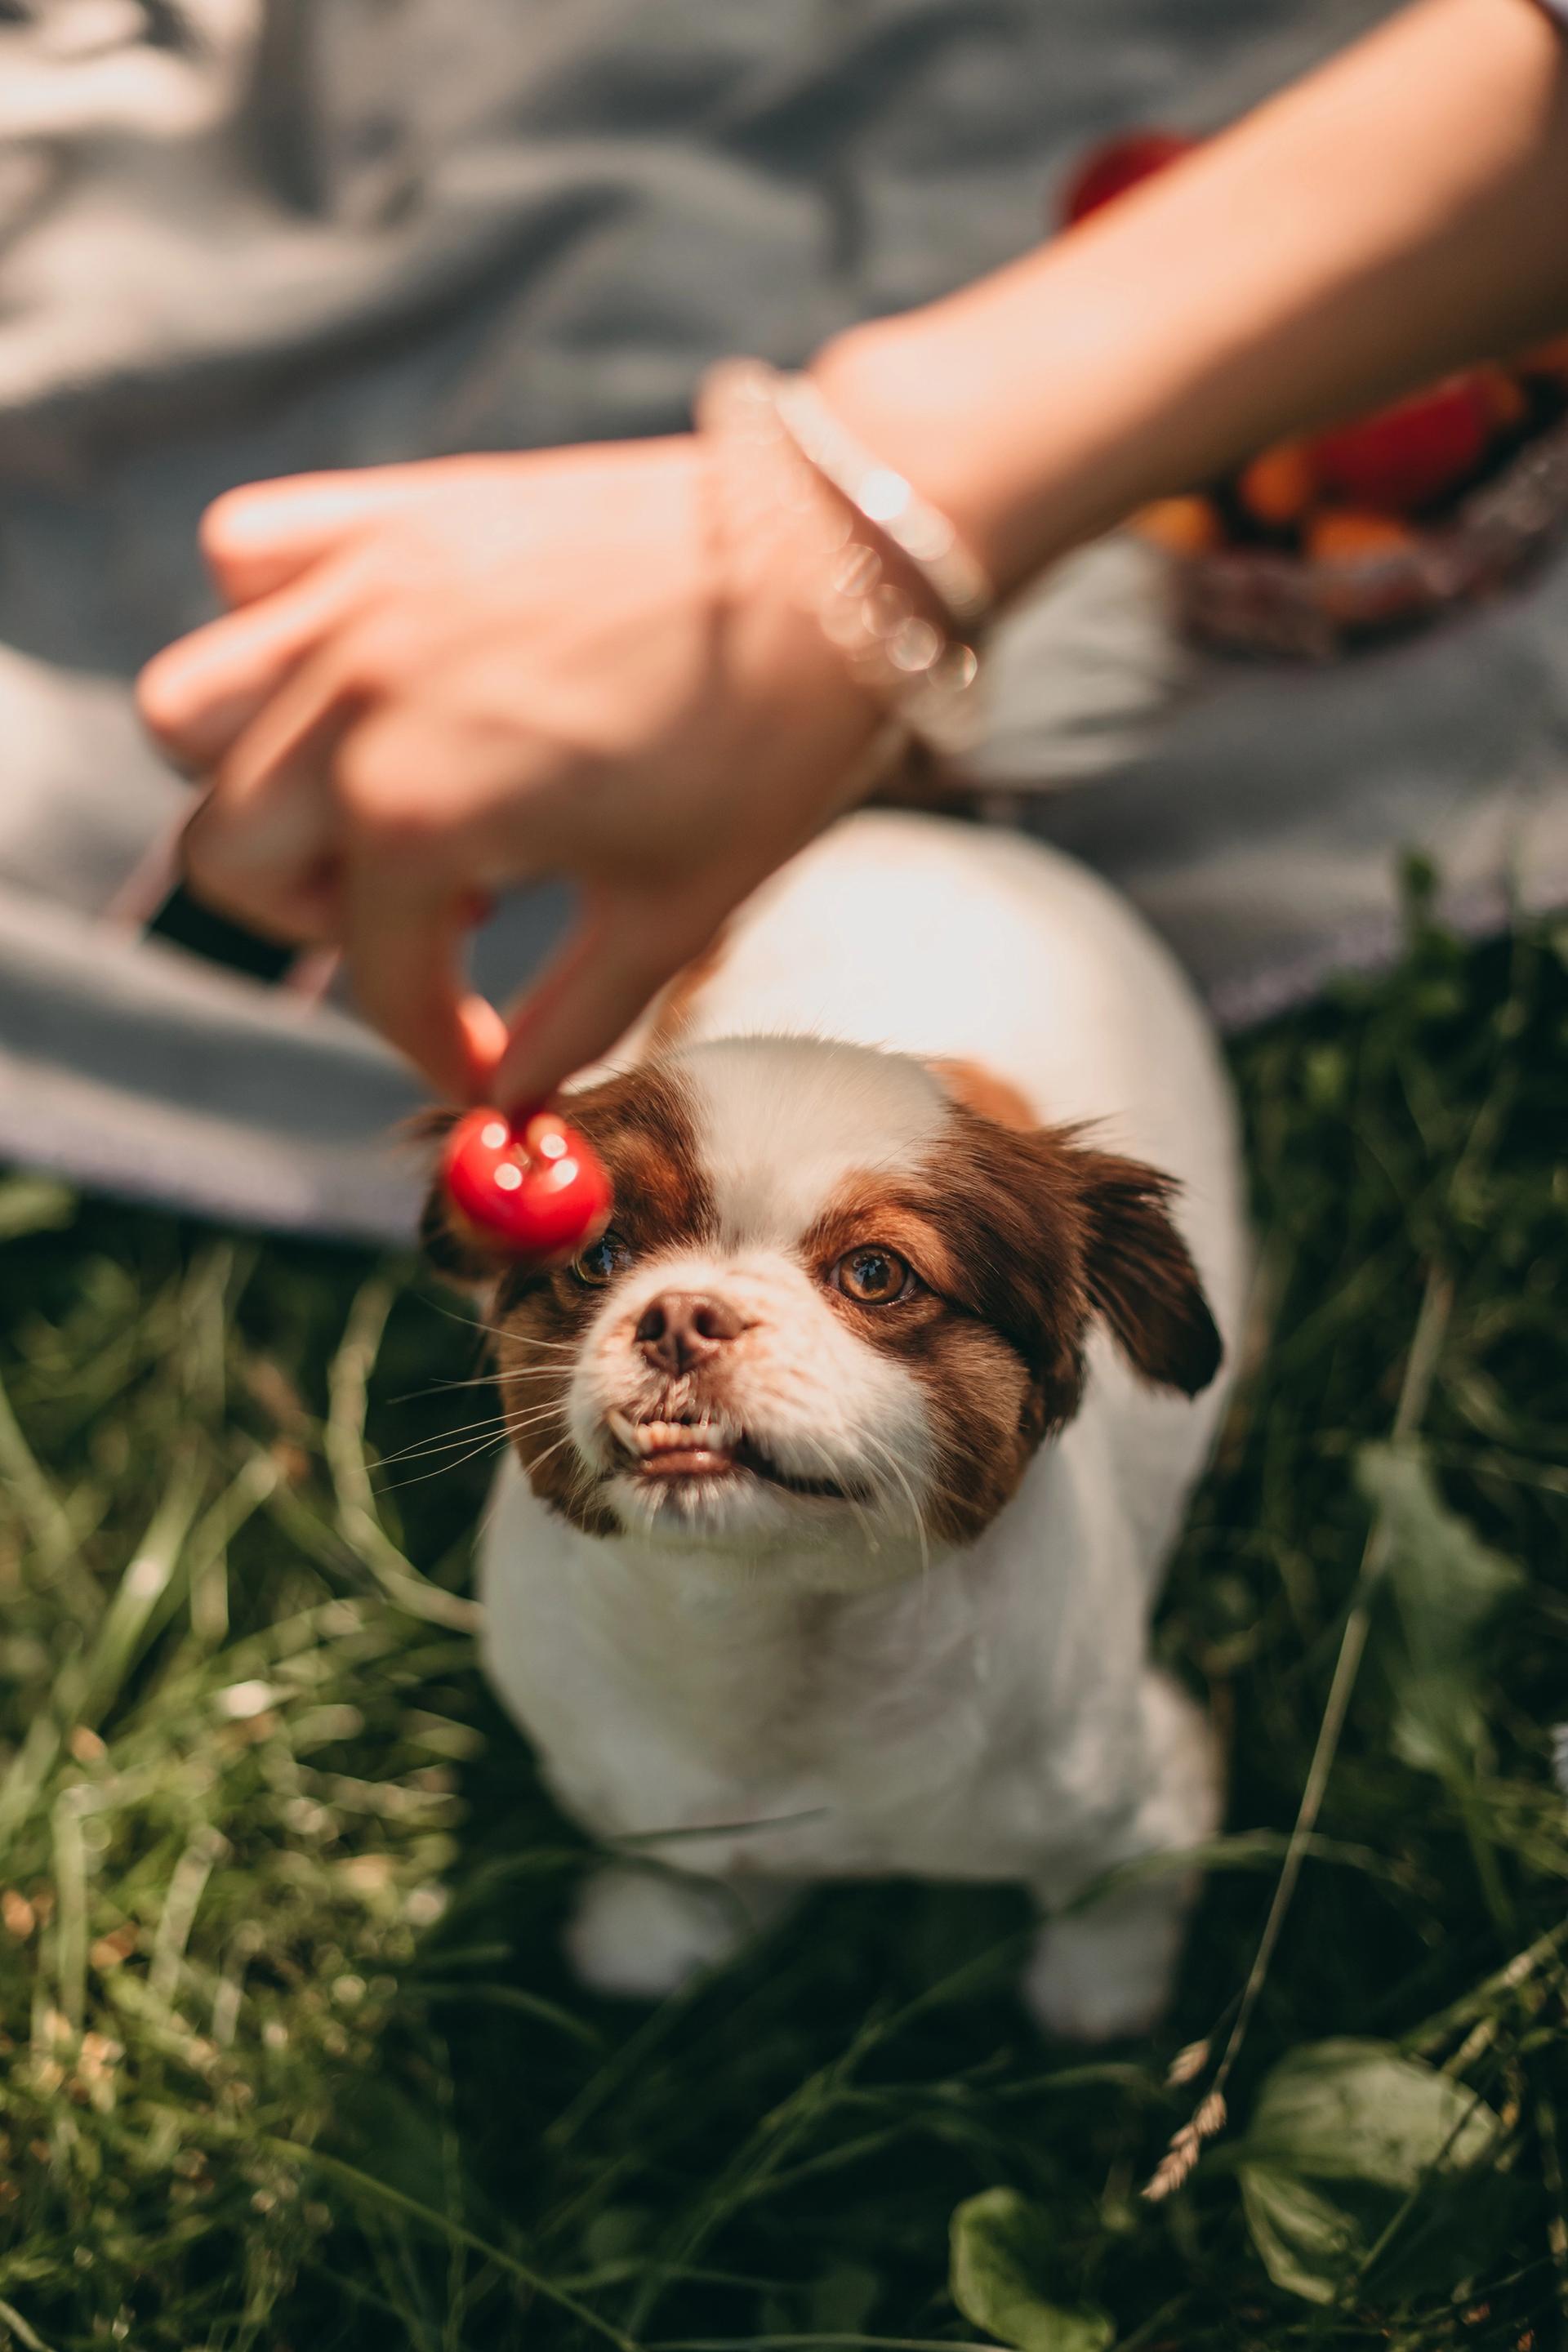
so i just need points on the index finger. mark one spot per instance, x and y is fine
(198, 695)
(404, 936)
(262, 535)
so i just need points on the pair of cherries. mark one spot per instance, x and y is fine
(530, 1189)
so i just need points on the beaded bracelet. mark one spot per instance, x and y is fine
(792, 486)
(884, 499)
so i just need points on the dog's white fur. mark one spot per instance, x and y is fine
(790, 1703)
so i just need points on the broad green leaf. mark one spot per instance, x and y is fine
(1310, 2244)
(843, 2299)
(1346, 2135)
(1001, 2277)
(1446, 1586)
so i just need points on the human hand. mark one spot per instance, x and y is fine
(441, 681)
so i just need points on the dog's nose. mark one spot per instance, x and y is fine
(682, 1328)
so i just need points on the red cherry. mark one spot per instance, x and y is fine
(542, 1196)
(1116, 165)
(1405, 458)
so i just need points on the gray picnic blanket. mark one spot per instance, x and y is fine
(241, 237)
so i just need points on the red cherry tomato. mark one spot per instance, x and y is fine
(542, 1194)
(1116, 165)
(1405, 458)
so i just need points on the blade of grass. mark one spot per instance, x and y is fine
(26, 2335)
(358, 1519)
(46, 1520)
(1420, 1367)
(381, 2193)
(118, 1642)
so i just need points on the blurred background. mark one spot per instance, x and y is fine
(240, 239)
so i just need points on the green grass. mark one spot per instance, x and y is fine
(288, 2053)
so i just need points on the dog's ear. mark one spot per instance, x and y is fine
(1050, 1234)
(1139, 1275)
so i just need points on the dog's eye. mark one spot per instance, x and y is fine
(874, 1276)
(601, 1261)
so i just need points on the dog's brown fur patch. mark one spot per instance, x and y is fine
(1020, 1238)
(640, 1126)
(988, 1095)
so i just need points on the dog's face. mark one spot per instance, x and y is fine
(837, 1311)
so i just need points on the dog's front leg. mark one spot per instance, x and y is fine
(642, 1931)
(1108, 1971)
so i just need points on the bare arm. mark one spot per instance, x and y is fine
(1400, 211)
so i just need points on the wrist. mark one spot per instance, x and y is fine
(1012, 424)
(801, 504)
(906, 390)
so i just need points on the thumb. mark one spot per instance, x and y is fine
(608, 972)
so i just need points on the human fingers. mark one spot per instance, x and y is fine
(404, 936)
(198, 695)
(279, 874)
(608, 973)
(258, 538)
(267, 839)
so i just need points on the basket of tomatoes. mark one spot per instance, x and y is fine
(1374, 526)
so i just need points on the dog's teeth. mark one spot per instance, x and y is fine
(649, 1437)
(645, 1438)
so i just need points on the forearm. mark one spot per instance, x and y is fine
(1401, 211)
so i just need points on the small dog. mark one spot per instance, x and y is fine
(848, 1460)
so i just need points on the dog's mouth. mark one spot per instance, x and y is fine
(666, 1451)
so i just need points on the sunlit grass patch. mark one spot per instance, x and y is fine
(288, 2052)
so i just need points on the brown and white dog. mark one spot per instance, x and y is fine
(847, 1463)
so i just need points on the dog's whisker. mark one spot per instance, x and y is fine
(508, 1331)
(472, 1322)
(455, 1437)
(539, 1460)
(824, 1461)
(540, 1416)
(444, 1469)
(441, 1446)
(448, 1438)
(445, 1388)
(502, 1428)
(882, 1450)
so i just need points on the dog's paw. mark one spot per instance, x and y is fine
(1106, 1975)
(640, 1936)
